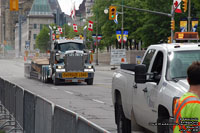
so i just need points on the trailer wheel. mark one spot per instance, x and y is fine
(43, 75)
(89, 81)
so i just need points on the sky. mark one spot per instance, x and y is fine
(66, 5)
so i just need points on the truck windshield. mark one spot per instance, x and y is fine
(179, 61)
(69, 46)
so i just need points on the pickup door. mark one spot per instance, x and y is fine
(145, 95)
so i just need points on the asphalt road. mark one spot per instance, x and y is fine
(92, 102)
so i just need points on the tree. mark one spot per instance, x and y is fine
(42, 40)
(146, 27)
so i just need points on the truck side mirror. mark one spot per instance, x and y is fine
(140, 73)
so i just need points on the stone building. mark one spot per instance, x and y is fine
(88, 8)
(40, 14)
(9, 19)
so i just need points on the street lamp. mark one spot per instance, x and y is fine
(106, 11)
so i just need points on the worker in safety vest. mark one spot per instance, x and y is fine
(187, 107)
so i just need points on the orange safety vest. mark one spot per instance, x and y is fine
(177, 111)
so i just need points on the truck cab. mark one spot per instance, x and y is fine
(143, 97)
(70, 62)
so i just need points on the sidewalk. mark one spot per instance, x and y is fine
(105, 67)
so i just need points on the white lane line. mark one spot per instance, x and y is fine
(97, 101)
(54, 88)
(69, 92)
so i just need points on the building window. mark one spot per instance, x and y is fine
(88, 10)
(34, 36)
(41, 26)
(35, 26)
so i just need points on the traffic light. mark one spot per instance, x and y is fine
(169, 40)
(173, 25)
(185, 5)
(14, 5)
(112, 12)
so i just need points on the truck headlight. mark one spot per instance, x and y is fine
(89, 67)
(60, 67)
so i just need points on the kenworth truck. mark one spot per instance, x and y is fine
(68, 62)
(143, 94)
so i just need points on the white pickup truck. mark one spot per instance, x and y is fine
(143, 94)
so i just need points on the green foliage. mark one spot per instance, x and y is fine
(142, 26)
(42, 40)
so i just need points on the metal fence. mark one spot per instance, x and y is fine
(9, 109)
(30, 113)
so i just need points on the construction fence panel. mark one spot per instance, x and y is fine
(43, 116)
(19, 105)
(85, 126)
(64, 121)
(2, 91)
(12, 90)
(7, 95)
(29, 112)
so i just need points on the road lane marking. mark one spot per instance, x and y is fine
(54, 88)
(97, 101)
(69, 92)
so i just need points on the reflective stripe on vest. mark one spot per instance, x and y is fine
(180, 105)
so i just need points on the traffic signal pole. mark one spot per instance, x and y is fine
(171, 15)
(172, 19)
(122, 34)
(149, 11)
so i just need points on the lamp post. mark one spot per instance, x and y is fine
(97, 63)
(20, 28)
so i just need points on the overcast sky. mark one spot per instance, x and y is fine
(66, 5)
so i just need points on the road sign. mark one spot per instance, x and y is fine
(27, 44)
(118, 35)
(118, 56)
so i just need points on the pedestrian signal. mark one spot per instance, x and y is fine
(112, 12)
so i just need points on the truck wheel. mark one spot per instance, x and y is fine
(123, 124)
(162, 129)
(89, 81)
(56, 81)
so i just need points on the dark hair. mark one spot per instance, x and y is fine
(193, 73)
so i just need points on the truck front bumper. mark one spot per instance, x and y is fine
(59, 75)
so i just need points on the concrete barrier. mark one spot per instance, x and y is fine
(104, 57)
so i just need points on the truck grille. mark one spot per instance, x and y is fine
(74, 62)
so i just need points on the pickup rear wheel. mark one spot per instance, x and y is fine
(123, 124)
(163, 129)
